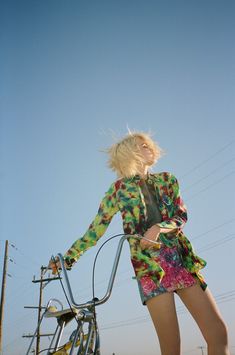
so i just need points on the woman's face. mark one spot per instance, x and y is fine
(146, 152)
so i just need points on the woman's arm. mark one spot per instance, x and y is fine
(97, 228)
(108, 207)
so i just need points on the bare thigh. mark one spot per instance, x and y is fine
(163, 313)
(204, 310)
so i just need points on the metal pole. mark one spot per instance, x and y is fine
(4, 273)
(39, 313)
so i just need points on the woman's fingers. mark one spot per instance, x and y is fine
(54, 265)
(145, 243)
(149, 238)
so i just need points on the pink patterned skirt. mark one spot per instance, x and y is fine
(176, 276)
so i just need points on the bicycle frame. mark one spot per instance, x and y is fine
(85, 312)
(89, 316)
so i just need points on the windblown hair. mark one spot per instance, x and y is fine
(124, 156)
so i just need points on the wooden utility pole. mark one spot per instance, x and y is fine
(40, 308)
(4, 274)
(39, 311)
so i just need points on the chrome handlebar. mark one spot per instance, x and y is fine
(111, 280)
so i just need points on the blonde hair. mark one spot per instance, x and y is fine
(124, 156)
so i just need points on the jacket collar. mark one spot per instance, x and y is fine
(137, 178)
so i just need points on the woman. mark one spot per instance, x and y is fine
(164, 260)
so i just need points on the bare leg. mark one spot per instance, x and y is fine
(203, 308)
(163, 313)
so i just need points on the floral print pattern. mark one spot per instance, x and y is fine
(125, 196)
(176, 276)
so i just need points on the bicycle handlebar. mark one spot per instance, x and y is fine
(111, 280)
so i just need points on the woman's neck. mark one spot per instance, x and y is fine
(143, 173)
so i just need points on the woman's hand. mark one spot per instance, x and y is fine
(54, 265)
(151, 234)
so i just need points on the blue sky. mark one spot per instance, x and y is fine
(75, 73)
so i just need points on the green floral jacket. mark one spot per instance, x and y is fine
(125, 196)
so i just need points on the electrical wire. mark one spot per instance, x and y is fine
(211, 185)
(208, 159)
(211, 245)
(187, 173)
(221, 298)
(207, 247)
(205, 177)
(217, 242)
(28, 257)
(213, 229)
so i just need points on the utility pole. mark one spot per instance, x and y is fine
(42, 281)
(4, 274)
(39, 311)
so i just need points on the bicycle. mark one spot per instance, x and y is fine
(83, 313)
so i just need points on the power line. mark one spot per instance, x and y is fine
(211, 185)
(209, 246)
(221, 298)
(217, 242)
(21, 254)
(202, 178)
(205, 177)
(208, 159)
(213, 229)
(40, 307)
(28, 257)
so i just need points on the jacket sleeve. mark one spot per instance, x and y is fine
(176, 208)
(107, 209)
